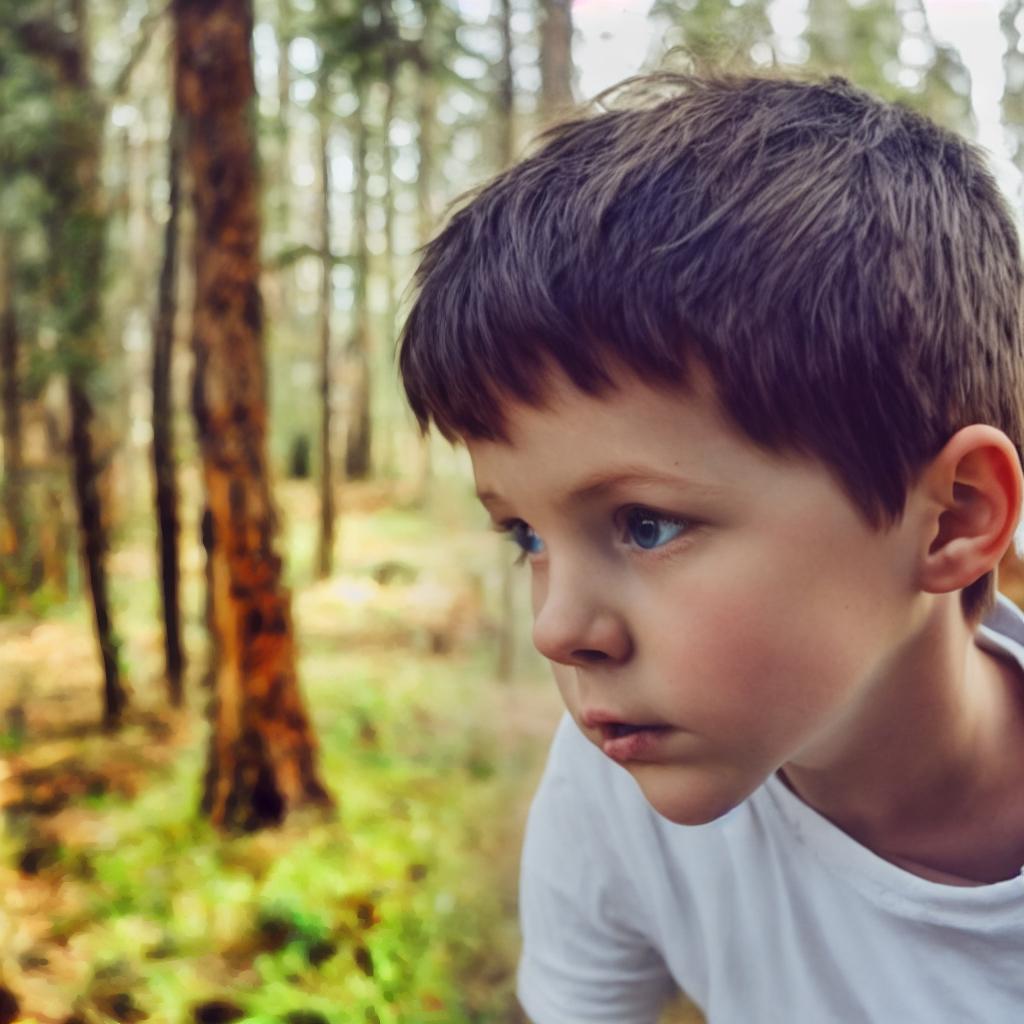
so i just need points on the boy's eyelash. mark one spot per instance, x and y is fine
(685, 523)
(505, 529)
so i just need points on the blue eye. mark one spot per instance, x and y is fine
(523, 535)
(650, 530)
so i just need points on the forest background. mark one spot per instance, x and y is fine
(269, 714)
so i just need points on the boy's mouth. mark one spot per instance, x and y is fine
(625, 742)
(616, 729)
(612, 729)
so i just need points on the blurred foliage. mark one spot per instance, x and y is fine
(1011, 21)
(51, 124)
(888, 48)
(398, 910)
(715, 33)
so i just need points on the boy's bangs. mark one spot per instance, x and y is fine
(494, 331)
(846, 271)
(502, 296)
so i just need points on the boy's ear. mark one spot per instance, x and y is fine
(973, 492)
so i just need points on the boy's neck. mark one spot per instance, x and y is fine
(929, 774)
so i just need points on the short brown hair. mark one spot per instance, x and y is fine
(845, 269)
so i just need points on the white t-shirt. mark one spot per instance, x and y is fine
(769, 914)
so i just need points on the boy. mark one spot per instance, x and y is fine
(739, 367)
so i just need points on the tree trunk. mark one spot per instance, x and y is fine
(163, 434)
(213, 643)
(76, 227)
(282, 192)
(387, 454)
(94, 548)
(262, 757)
(325, 547)
(14, 546)
(555, 59)
(358, 440)
(285, 35)
(426, 117)
(506, 89)
(284, 103)
(79, 240)
(56, 532)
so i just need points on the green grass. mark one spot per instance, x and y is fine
(398, 909)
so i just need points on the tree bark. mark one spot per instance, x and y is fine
(213, 643)
(281, 195)
(358, 440)
(166, 486)
(94, 547)
(506, 88)
(262, 755)
(556, 66)
(56, 531)
(426, 118)
(325, 547)
(285, 35)
(386, 457)
(14, 548)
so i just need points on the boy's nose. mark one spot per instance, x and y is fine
(577, 625)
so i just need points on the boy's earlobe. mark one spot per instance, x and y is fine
(973, 488)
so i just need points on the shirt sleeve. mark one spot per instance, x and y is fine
(585, 957)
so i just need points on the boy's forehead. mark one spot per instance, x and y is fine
(579, 444)
(564, 408)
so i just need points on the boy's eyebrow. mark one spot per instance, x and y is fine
(604, 480)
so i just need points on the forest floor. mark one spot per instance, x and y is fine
(119, 903)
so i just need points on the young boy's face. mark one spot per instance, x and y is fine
(683, 579)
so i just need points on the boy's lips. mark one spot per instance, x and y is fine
(622, 739)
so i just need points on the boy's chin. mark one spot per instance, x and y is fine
(691, 799)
